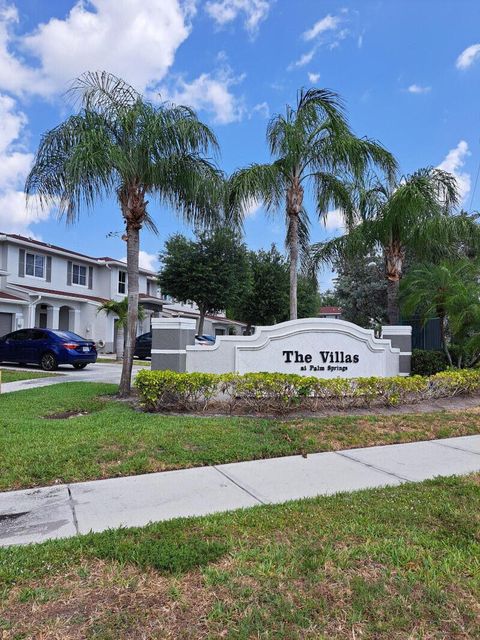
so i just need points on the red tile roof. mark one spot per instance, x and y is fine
(332, 310)
(70, 294)
(67, 294)
(8, 296)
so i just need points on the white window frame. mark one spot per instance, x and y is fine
(44, 265)
(79, 267)
(122, 282)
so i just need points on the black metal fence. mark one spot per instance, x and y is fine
(425, 335)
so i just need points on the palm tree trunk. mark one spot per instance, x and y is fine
(394, 257)
(393, 310)
(294, 207)
(120, 342)
(443, 335)
(293, 245)
(133, 250)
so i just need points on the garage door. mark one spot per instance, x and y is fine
(5, 323)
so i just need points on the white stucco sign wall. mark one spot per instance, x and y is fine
(311, 347)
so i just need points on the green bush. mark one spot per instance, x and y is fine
(283, 393)
(427, 363)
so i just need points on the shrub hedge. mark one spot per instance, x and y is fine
(282, 393)
(427, 363)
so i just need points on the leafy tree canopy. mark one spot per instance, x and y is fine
(361, 289)
(265, 300)
(210, 270)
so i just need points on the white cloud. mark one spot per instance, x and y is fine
(262, 109)
(303, 60)
(334, 220)
(146, 260)
(453, 163)
(416, 88)
(325, 32)
(135, 39)
(15, 163)
(468, 56)
(209, 92)
(313, 77)
(225, 11)
(252, 208)
(328, 23)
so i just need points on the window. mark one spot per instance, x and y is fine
(35, 265)
(122, 282)
(19, 335)
(79, 275)
(38, 335)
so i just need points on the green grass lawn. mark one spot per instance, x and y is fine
(10, 375)
(114, 439)
(387, 564)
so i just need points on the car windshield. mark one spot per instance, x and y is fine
(68, 335)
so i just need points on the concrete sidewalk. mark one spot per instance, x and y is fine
(36, 515)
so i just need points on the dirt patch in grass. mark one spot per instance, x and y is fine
(104, 600)
(65, 415)
(109, 601)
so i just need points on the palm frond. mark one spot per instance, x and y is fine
(256, 183)
(103, 92)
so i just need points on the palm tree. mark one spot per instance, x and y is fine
(313, 147)
(121, 144)
(120, 309)
(413, 215)
(430, 289)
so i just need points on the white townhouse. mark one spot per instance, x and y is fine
(42, 285)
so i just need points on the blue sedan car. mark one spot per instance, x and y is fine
(48, 348)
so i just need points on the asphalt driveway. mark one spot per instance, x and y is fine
(98, 372)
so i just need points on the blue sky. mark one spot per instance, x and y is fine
(409, 71)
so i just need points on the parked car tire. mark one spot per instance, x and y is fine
(80, 365)
(48, 361)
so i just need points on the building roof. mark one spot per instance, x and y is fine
(71, 294)
(53, 247)
(195, 314)
(65, 294)
(8, 296)
(330, 310)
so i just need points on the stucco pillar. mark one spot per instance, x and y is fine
(32, 311)
(20, 321)
(74, 320)
(170, 337)
(53, 315)
(401, 338)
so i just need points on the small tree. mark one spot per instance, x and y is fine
(210, 271)
(329, 298)
(120, 309)
(308, 297)
(448, 291)
(361, 289)
(265, 299)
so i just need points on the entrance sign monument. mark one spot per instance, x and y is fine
(318, 347)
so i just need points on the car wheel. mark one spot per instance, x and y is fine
(48, 362)
(80, 365)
